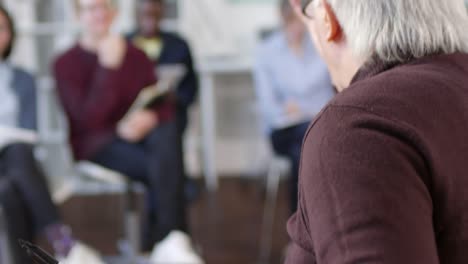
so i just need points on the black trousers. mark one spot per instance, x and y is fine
(14, 222)
(157, 163)
(288, 142)
(18, 165)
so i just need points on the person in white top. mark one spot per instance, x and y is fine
(18, 167)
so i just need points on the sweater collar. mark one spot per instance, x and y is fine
(372, 68)
(376, 66)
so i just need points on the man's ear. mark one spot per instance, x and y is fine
(334, 30)
(297, 7)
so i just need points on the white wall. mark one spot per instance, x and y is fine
(219, 27)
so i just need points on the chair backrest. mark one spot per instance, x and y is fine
(53, 150)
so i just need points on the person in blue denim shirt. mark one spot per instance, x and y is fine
(292, 85)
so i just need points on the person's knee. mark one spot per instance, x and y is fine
(19, 153)
(164, 135)
(21, 148)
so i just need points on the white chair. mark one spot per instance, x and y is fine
(276, 170)
(274, 167)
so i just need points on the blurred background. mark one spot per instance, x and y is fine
(226, 150)
(223, 35)
(238, 196)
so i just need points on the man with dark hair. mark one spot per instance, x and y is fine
(165, 48)
(98, 80)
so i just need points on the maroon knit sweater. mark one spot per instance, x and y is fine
(95, 98)
(384, 171)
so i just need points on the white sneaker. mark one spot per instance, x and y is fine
(176, 248)
(81, 254)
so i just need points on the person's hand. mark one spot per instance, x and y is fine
(111, 51)
(137, 125)
(292, 108)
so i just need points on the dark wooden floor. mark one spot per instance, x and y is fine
(227, 224)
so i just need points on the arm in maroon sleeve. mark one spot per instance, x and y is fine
(87, 110)
(363, 193)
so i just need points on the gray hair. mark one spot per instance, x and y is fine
(399, 30)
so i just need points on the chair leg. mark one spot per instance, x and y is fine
(273, 180)
(130, 246)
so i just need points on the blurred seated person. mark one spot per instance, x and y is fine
(292, 85)
(165, 48)
(98, 80)
(17, 161)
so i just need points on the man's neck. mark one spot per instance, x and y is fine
(348, 69)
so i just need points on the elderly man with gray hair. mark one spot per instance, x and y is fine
(384, 166)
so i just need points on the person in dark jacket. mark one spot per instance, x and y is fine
(165, 48)
(17, 162)
(384, 166)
